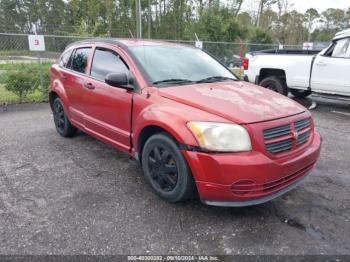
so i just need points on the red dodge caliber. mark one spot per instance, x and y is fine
(194, 127)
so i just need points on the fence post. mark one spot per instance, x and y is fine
(41, 74)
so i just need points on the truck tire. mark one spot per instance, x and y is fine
(300, 93)
(275, 84)
(166, 169)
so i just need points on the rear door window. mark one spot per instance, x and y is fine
(80, 59)
(106, 61)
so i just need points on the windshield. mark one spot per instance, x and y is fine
(166, 65)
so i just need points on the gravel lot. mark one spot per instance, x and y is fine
(79, 196)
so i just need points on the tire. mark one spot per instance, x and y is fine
(63, 126)
(275, 84)
(166, 169)
(300, 93)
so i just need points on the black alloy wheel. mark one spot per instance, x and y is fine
(62, 123)
(166, 169)
(163, 169)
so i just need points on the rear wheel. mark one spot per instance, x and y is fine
(166, 169)
(62, 123)
(275, 84)
(300, 93)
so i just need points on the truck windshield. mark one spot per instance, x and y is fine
(178, 65)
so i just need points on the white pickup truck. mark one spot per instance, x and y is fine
(302, 72)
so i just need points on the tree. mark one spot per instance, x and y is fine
(236, 7)
(334, 19)
(268, 19)
(262, 5)
(311, 16)
(244, 18)
(261, 36)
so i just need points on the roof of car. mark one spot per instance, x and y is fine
(342, 34)
(125, 43)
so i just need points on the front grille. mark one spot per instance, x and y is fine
(276, 132)
(303, 138)
(302, 124)
(280, 139)
(280, 146)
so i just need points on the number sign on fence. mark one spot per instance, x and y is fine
(36, 42)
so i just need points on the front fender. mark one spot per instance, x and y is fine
(170, 119)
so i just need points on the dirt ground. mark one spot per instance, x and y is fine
(79, 196)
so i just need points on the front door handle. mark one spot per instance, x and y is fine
(89, 85)
(321, 63)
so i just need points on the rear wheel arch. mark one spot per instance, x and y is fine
(275, 78)
(268, 72)
(52, 96)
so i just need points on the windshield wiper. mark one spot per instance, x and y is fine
(212, 79)
(173, 81)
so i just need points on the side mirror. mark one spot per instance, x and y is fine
(120, 80)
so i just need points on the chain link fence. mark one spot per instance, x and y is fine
(24, 77)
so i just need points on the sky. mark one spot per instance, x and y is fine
(302, 5)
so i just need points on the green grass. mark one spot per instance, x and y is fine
(23, 66)
(5, 54)
(7, 97)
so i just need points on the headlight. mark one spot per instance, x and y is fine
(221, 137)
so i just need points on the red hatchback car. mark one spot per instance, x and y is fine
(193, 126)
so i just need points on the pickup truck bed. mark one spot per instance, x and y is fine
(292, 65)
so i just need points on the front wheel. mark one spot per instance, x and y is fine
(275, 84)
(300, 93)
(166, 169)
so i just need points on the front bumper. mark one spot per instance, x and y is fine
(250, 178)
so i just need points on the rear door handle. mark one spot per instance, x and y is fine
(89, 85)
(63, 77)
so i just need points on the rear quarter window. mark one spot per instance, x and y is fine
(64, 59)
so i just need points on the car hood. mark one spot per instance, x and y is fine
(240, 102)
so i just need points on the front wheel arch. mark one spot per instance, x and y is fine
(148, 132)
